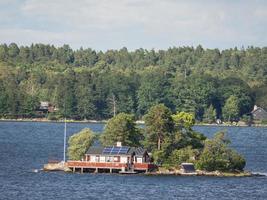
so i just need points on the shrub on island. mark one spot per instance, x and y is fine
(79, 143)
(217, 155)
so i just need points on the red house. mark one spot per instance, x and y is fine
(122, 159)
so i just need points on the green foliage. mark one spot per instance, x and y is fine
(121, 128)
(159, 125)
(170, 137)
(184, 120)
(79, 143)
(153, 89)
(186, 154)
(231, 108)
(81, 83)
(217, 155)
(209, 115)
(159, 157)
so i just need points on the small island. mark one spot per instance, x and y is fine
(162, 147)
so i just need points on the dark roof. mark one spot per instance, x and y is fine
(139, 151)
(188, 167)
(95, 150)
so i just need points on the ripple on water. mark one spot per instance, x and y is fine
(25, 146)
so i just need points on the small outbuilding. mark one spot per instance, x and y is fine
(188, 168)
(46, 107)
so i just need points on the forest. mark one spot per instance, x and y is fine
(89, 84)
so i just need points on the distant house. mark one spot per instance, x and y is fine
(46, 107)
(114, 159)
(259, 113)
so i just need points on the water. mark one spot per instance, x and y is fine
(25, 146)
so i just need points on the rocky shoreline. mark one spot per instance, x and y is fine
(202, 173)
(61, 167)
(105, 121)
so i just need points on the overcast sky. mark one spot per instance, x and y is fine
(113, 24)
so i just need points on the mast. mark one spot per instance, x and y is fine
(114, 105)
(65, 135)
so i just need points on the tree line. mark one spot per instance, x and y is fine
(89, 84)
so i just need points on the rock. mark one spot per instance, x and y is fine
(60, 166)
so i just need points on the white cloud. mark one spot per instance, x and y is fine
(139, 23)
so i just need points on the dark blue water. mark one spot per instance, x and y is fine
(25, 146)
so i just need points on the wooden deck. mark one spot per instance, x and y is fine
(111, 165)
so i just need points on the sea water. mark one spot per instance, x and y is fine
(26, 146)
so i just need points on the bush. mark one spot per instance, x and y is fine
(53, 116)
(79, 143)
(159, 156)
(179, 156)
(217, 155)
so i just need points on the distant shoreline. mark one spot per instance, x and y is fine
(105, 121)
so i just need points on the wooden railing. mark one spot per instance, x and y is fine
(144, 166)
(85, 164)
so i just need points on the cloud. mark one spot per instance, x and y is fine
(104, 24)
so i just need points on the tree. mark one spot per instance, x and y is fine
(184, 135)
(3, 52)
(85, 96)
(121, 128)
(186, 154)
(209, 115)
(216, 155)
(29, 105)
(159, 125)
(194, 94)
(231, 108)
(66, 97)
(13, 50)
(182, 78)
(79, 143)
(153, 89)
(184, 120)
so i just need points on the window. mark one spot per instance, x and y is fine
(87, 158)
(116, 158)
(139, 160)
(109, 159)
(97, 159)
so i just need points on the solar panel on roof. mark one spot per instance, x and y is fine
(115, 150)
(123, 150)
(107, 150)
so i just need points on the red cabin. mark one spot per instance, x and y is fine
(114, 159)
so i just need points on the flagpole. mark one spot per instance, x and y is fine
(65, 135)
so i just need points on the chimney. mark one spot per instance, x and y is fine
(118, 144)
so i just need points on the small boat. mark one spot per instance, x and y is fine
(127, 172)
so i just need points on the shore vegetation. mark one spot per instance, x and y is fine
(85, 84)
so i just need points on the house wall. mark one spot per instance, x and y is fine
(139, 160)
(92, 158)
(119, 159)
(102, 159)
(124, 159)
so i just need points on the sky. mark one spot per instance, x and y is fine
(149, 24)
